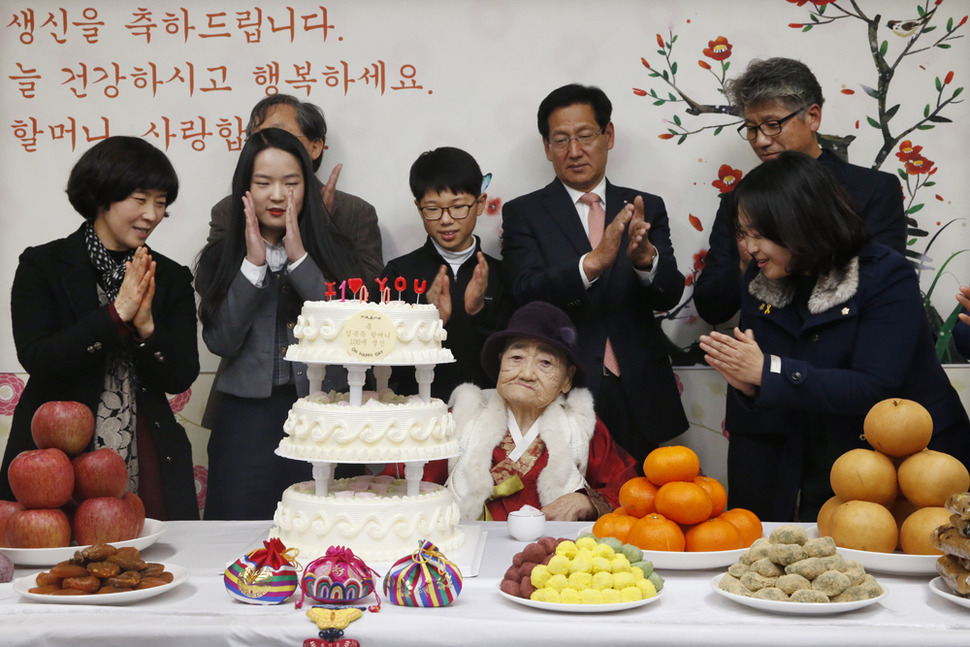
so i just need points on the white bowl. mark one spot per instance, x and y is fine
(526, 526)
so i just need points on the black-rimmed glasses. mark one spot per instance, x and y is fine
(770, 128)
(456, 211)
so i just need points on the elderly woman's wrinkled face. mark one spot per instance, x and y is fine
(533, 374)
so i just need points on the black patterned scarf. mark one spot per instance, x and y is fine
(115, 417)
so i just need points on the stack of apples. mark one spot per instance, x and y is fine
(892, 496)
(60, 488)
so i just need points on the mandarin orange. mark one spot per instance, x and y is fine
(613, 524)
(684, 502)
(656, 532)
(713, 534)
(637, 496)
(674, 463)
(747, 523)
(717, 492)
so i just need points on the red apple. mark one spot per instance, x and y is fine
(41, 478)
(67, 426)
(104, 519)
(7, 508)
(38, 528)
(99, 473)
(136, 504)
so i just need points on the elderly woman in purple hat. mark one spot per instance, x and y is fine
(534, 439)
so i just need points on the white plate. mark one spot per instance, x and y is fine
(23, 585)
(50, 556)
(684, 561)
(938, 587)
(578, 608)
(795, 608)
(894, 563)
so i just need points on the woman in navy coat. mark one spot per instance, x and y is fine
(832, 324)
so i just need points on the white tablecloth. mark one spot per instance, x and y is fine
(689, 613)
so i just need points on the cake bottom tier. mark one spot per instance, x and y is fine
(373, 517)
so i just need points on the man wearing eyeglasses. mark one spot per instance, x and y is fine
(780, 101)
(602, 253)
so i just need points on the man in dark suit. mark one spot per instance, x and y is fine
(602, 253)
(780, 101)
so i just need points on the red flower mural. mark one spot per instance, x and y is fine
(907, 151)
(11, 387)
(817, 3)
(699, 259)
(727, 178)
(918, 165)
(178, 402)
(493, 207)
(718, 49)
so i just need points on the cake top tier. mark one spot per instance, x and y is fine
(354, 332)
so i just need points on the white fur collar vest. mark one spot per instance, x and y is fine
(481, 416)
(832, 289)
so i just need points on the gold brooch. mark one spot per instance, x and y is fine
(845, 311)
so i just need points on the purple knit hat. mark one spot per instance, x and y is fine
(540, 321)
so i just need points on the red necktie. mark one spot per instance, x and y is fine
(597, 223)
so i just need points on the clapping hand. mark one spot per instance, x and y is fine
(738, 359)
(328, 190)
(475, 292)
(439, 294)
(294, 241)
(640, 250)
(255, 247)
(604, 255)
(134, 301)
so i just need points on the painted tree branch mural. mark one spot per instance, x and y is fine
(892, 43)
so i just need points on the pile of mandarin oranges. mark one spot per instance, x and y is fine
(673, 508)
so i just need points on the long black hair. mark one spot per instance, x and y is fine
(220, 260)
(795, 202)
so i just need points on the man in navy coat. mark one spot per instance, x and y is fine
(611, 287)
(780, 101)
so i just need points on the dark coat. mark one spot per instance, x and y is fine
(877, 196)
(63, 335)
(543, 240)
(466, 333)
(864, 343)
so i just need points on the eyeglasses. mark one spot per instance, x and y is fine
(562, 143)
(770, 128)
(456, 211)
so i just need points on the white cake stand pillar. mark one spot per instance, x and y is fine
(315, 373)
(424, 375)
(356, 375)
(322, 475)
(382, 375)
(413, 473)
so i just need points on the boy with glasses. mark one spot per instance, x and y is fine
(464, 282)
(780, 101)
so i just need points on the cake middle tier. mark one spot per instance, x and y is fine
(318, 428)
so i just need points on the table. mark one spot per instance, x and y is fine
(689, 612)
